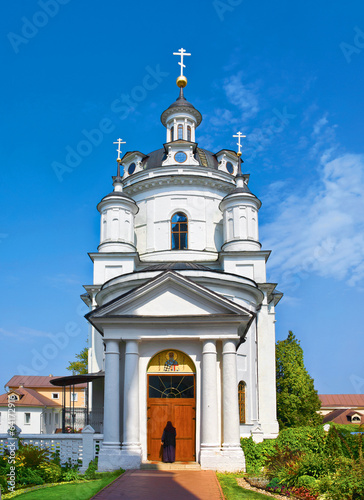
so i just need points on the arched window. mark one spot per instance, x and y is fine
(241, 395)
(180, 131)
(189, 135)
(179, 230)
(172, 133)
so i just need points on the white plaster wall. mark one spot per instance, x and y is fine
(117, 223)
(107, 266)
(246, 366)
(201, 205)
(48, 420)
(35, 419)
(96, 352)
(240, 214)
(267, 370)
(250, 266)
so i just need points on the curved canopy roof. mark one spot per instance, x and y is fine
(181, 105)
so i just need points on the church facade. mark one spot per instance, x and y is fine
(182, 317)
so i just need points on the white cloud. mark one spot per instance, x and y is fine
(222, 117)
(31, 332)
(6, 333)
(242, 96)
(319, 124)
(324, 137)
(321, 231)
(23, 333)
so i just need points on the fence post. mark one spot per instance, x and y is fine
(87, 446)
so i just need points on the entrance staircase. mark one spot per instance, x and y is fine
(174, 466)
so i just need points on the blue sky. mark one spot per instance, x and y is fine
(288, 75)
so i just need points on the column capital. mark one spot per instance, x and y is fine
(112, 346)
(229, 346)
(132, 346)
(208, 346)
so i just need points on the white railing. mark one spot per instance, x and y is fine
(79, 448)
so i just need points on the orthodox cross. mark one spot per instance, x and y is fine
(181, 53)
(119, 142)
(239, 135)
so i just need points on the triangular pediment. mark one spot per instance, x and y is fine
(169, 294)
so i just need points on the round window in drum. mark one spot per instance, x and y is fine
(180, 157)
(229, 167)
(131, 168)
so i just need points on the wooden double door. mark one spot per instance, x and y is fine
(172, 397)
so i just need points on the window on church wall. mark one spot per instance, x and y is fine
(189, 133)
(241, 396)
(172, 133)
(180, 131)
(104, 228)
(114, 228)
(171, 386)
(179, 231)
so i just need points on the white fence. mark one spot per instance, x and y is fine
(78, 448)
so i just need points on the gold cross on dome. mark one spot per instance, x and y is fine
(119, 142)
(181, 53)
(239, 135)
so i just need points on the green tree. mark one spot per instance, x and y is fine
(297, 399)
(79, 367)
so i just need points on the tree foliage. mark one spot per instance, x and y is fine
(297, 399)
(81, 366)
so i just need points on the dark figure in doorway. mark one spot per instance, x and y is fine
(169, 443)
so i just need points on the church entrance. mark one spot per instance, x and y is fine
(171, 396)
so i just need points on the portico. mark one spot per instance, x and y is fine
(205, 336)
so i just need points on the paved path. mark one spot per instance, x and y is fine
(160, 485)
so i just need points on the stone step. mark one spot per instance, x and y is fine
(174, 466)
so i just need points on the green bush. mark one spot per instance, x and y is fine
(256, 454)
(306, 482)
(70, 475)
(50, 472)
(347, 482)
(32, 456)
(273, 483)
(302, 439)
(91, 470)
(311, 460)
(27, 476)
(341, 442)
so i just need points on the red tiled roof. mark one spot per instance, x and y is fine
(29, 397)
(343, 400)
(33, 381)
(341, 416)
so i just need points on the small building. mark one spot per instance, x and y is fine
(342, 408)
(38, 404)
(34, 413)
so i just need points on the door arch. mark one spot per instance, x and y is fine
(171, 395)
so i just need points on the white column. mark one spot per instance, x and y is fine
(210, 433)
(231, 429)
(111, 401)
(131, 441)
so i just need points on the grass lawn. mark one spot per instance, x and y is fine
(233, 491)
(75, 491)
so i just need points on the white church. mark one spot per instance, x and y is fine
(182, 316)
